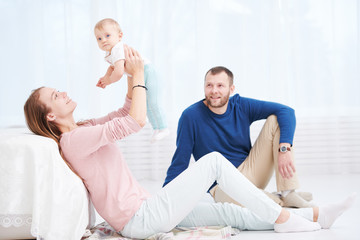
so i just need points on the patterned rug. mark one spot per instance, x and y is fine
(104, 231)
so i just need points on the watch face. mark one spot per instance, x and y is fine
(283, 149)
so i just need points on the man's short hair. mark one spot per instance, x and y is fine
(220, 69)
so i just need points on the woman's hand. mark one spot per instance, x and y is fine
(134, 63)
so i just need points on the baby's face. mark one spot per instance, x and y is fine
(107, 37)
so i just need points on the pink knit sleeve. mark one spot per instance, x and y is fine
(121, 112)
(86, 140)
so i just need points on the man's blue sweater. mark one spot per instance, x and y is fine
(200, 131)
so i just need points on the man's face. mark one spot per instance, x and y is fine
(217, 91)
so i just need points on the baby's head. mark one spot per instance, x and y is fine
(108, 33)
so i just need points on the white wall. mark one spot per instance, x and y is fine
(301, 53)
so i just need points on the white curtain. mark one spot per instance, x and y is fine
(302, 53)
(305, 54)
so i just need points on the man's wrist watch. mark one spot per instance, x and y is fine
(284, 149)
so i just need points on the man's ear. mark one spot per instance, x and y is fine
(120, 35)
(51, 117)
(232, 89)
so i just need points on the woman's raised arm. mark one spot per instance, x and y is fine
(134, 65)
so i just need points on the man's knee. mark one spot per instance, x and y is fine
(272, 123)
(272, 119)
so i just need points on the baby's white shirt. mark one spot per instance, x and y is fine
(118, 53)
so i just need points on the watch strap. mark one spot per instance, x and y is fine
(288, 149)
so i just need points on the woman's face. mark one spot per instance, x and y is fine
(61, 106)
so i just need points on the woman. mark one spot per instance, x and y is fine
(91, 152)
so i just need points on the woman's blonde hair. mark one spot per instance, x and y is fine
(36, 119)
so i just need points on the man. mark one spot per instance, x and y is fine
(220, 123)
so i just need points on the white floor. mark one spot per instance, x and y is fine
(325, 189)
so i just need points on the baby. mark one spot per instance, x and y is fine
(108, 35)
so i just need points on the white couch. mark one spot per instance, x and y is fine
(39, 195)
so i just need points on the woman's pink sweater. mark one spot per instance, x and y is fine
(92, 152)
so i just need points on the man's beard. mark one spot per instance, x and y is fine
(222, 102)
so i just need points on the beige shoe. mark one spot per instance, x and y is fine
(293, 199)
(306, 196)
(275, 197)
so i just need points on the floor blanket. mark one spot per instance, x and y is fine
(104, 231)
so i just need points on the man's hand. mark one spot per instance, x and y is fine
(286, 164)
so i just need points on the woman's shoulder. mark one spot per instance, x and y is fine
(67, 137)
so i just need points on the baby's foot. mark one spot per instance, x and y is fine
(159, 134)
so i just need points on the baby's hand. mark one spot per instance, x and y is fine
(100, 83)
(103, 82)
